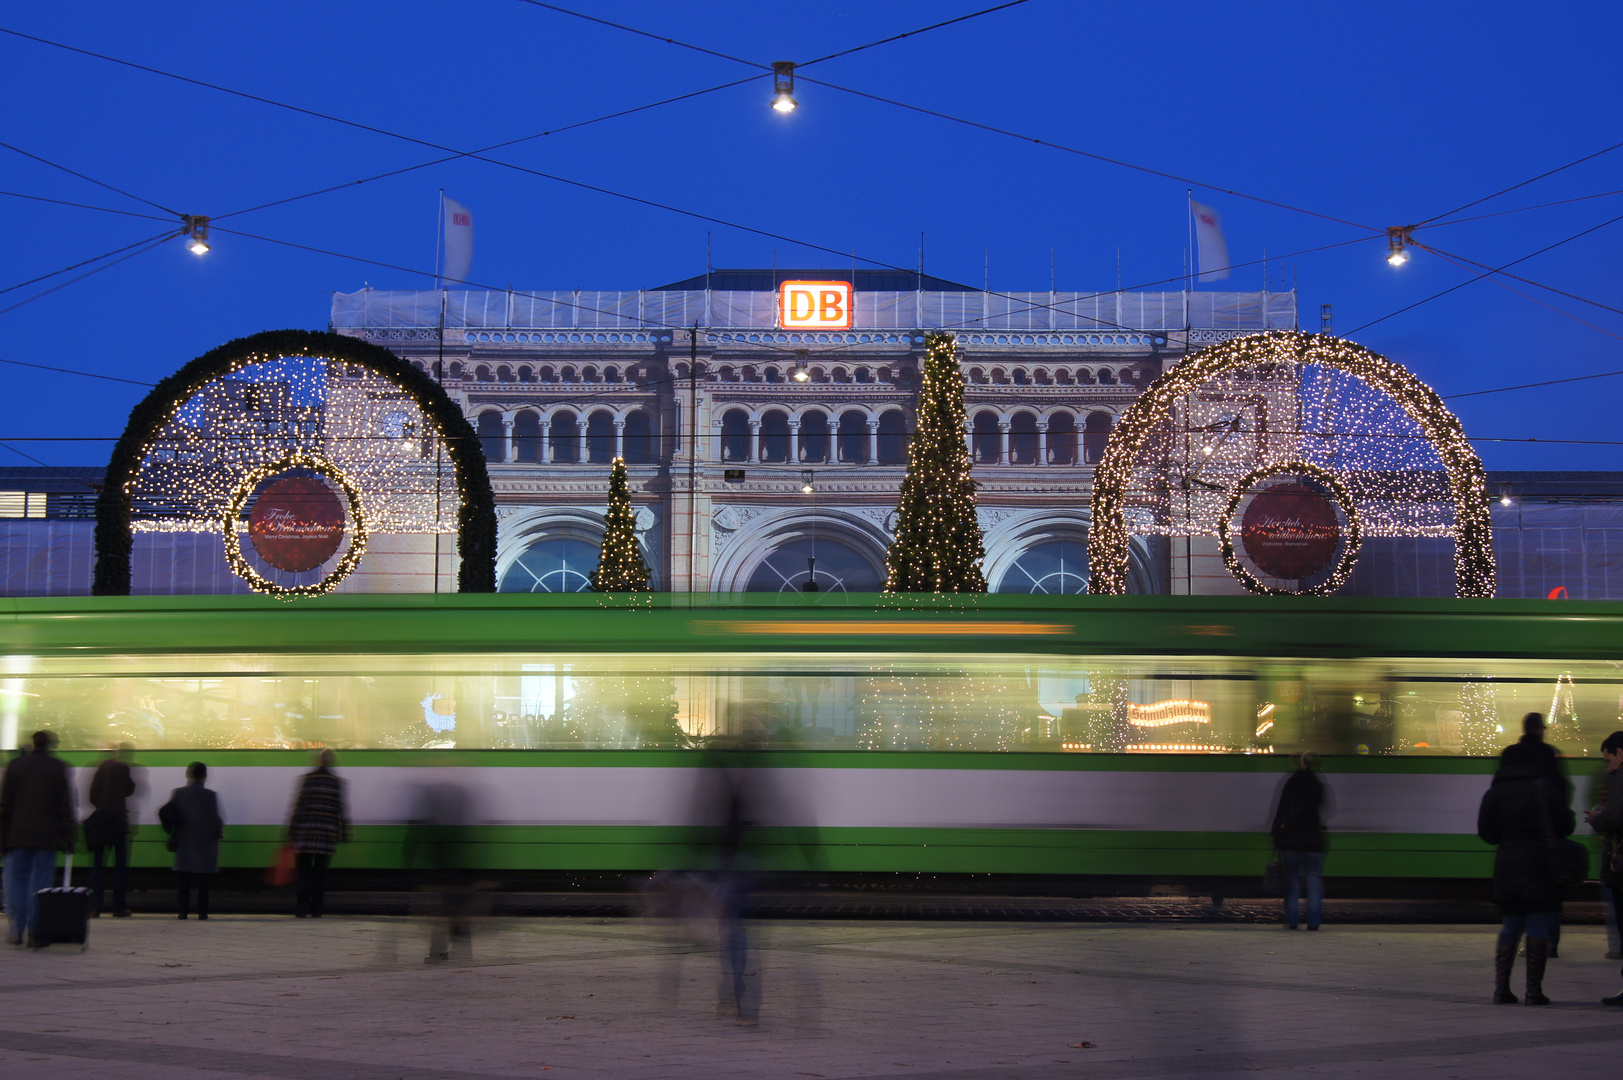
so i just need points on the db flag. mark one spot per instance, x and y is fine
(458, 241)
(1209, 242)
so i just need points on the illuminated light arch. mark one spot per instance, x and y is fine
(476, 512)
(1475, 574)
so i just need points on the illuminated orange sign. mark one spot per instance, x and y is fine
(814, 305)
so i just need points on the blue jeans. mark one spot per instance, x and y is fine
(1303, 870)
(28, 870)
(1535, 924)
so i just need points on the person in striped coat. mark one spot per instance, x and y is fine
(319, 823)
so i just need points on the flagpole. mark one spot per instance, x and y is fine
(1189, 214)
(439, 239)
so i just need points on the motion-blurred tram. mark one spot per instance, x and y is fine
(1113, 737)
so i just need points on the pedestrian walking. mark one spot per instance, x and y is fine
(1523, 813)
(107, 829)
(1607, 820)
(192, 819)
(1301, 839)
(36, 822)
(1532, 752)
(318, 824)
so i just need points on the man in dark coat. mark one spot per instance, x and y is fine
(192, 819)
(107, 829)
(1531, 752)
(36, 822)
(318, 824)
(1608, 821)
(1522, 810)
(1299, 837)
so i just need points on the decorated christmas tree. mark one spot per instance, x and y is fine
(619, 566)
(937, 548)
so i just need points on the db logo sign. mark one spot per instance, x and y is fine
(814, 305)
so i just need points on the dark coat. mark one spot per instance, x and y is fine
(1609, 823)
(112, 785)
(1521, 809)
(194, 811)
(36, 804)
(1299, 818)
(319, 820)
(1531, 753)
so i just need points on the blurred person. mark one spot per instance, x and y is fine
(107, 829)
(1607, 819)
(437, 843)
(1532, 752)
(36, 822)
(318, 824)
(1602, 795)
(192, 819)
(1521, 810)
(1301, 839)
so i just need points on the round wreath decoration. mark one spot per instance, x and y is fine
(239, 501)
(1349, 551)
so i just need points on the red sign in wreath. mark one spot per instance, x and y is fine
(1291, 531)
(297, 523)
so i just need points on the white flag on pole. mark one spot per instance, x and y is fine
(1209, 243)
(458, 241)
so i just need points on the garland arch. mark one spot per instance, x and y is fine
(476, 512)
(1474, 569)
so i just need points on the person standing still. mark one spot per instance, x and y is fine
(1521, 812)
(1607, 820)
(192, 819)
(107, 829)
(36, 822)
(1301, 839)
(319, 823)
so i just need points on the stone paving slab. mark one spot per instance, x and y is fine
(350, 998)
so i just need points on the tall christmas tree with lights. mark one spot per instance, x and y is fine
(619, 566)
(938, 546)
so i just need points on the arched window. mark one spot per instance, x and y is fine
(986, 437)
(1059, 566)
(569, 374)
(893, 438)
(492, 437)
(504, 373)
(639, 439)
(456, 370)
(1044, 378)
(563, 435)
(482, 374)
(1084, 377)
(837, 568)
(1023, 438)
(1095, 434)
(588, 374)
(681, 371)
(527, 437)
(773, 375)
(819, 375)
(1106, 377)
(853, 440)
(611, 375)
(728, 374)
(864, 375)
(749, 374)
(526, 373)
(548, 375)
(977, 375)
(999, 376)
(1063, 377)
(1021, 378)
(814, 436)
(775, 436)
(600, 438)
(420, 366)
(1062, 439)
(561, 564)
(735, 435)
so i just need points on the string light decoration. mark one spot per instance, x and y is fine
(1271, 401)
(620, 567)
(385, 428)
(937, 546)
(1342, 500)
(257, 579)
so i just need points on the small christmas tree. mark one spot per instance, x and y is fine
(619, 565)
(938, 546)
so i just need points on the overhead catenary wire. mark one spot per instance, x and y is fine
(1457, 259)
(89, 179)
(153, 242)
(72, 371)
(1532, 180)
(83, 262)
(82, 206)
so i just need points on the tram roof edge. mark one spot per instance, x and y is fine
(914, 624)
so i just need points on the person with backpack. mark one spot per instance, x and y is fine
(1524, 813)
(192, 819)
(1301, 839)
(318, 824)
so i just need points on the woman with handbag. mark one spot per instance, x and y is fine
(1608, 821)
(1526, 816)
(318, 824)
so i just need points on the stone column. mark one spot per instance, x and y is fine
(508, 453)
(873, 442)
(582, 457)
(1042, 444)
(543, 453)
(619, 438)
(794, 442)
(1002, 442)
(755, 442)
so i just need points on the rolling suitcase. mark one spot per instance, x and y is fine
(63, 915)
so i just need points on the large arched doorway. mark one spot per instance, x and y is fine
(834, 566)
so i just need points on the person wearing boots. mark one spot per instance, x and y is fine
(1607, 820)
(1523, 808)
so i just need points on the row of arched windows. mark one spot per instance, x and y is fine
(855, 437)
(565, 438)
(1056, 376)
(544, 373)
(594, 374)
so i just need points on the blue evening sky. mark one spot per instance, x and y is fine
(1376, 113)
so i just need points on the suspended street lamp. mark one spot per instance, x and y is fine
(195, 227)
(1397, 243)
(783, 86)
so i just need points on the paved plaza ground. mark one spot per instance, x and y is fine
(350, 998)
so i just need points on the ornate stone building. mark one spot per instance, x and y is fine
(762, 456)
